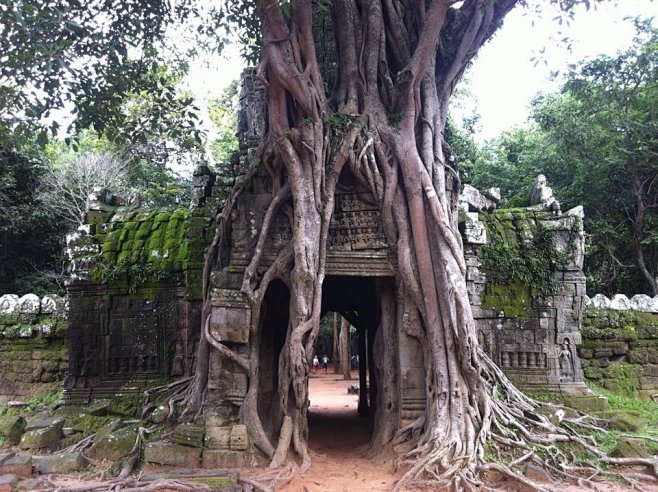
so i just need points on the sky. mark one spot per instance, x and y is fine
(504, 77)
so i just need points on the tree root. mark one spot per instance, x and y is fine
(522, 435)
(80, 445)
(271, 480)
(131, 485)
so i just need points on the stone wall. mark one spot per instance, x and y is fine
(135, 295)
(33, 345)
(620, 345)
(533, 338)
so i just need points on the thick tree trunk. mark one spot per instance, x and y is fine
(344, 343)
(396, 68)
(335, 342)
(638, 224)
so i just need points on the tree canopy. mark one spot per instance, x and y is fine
(363, 95)
(596, 142)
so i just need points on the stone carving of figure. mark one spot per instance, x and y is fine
(566, 362)
(542, 195)
(177, 363)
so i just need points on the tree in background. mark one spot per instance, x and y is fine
(31, 241)
(65, 186)
(223, 111)
(603, 133)
(597, 142)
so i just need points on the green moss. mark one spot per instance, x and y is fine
(512, 299)
(215, 483)
(151, 246)
(519, 259)
(109, 246)
(621, 378)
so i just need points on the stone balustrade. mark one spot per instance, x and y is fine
(620, 302)
(33, 304)
(33, 345)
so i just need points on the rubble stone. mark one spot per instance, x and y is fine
(172, 454)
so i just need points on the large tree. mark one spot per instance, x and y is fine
(379, 114)
(382, 121)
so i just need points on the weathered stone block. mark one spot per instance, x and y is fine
(239, 440)
(172, 454)
(41, 422)
(213, 458)
(8, 304)
(229, 324)
(647, 394)
(592, 372)
(8, 482)
(59, 463)
(626, 423)
(46, 438)
(218, 438)
(98, 409)
(12, 428)
(628, 447)
(585, 353)
(159, 415)
(648, 382)
(20, 464)
(114, 446)
(588, 404)
(189, 435)
(88, 424)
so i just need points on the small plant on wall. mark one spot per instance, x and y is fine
(520, 260)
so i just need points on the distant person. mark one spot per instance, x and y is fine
(325, 362)
(316, 364)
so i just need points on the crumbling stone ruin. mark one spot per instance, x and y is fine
(135, 299)
(134, 310)
(33, 345)
(533, 339)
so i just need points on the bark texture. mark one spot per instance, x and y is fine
(382, 121)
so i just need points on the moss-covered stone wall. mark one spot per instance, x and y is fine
(620, 350)
(527, 291)
(137, 247)
(33, 349)
(135, 297)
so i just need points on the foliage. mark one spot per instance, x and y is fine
(57, 52)
(597, 142)
(38, 402)
(646, 409)
(132, 273)
(223, 112)
(30, 237)
(530, 261)
(66, 183)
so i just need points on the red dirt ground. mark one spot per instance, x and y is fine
(338, 442)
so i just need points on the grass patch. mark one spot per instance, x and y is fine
(647, 410)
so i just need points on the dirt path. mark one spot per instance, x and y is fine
(338, 442)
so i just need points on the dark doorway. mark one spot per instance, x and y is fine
(357, 299)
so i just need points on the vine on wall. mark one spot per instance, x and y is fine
(520, 260)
